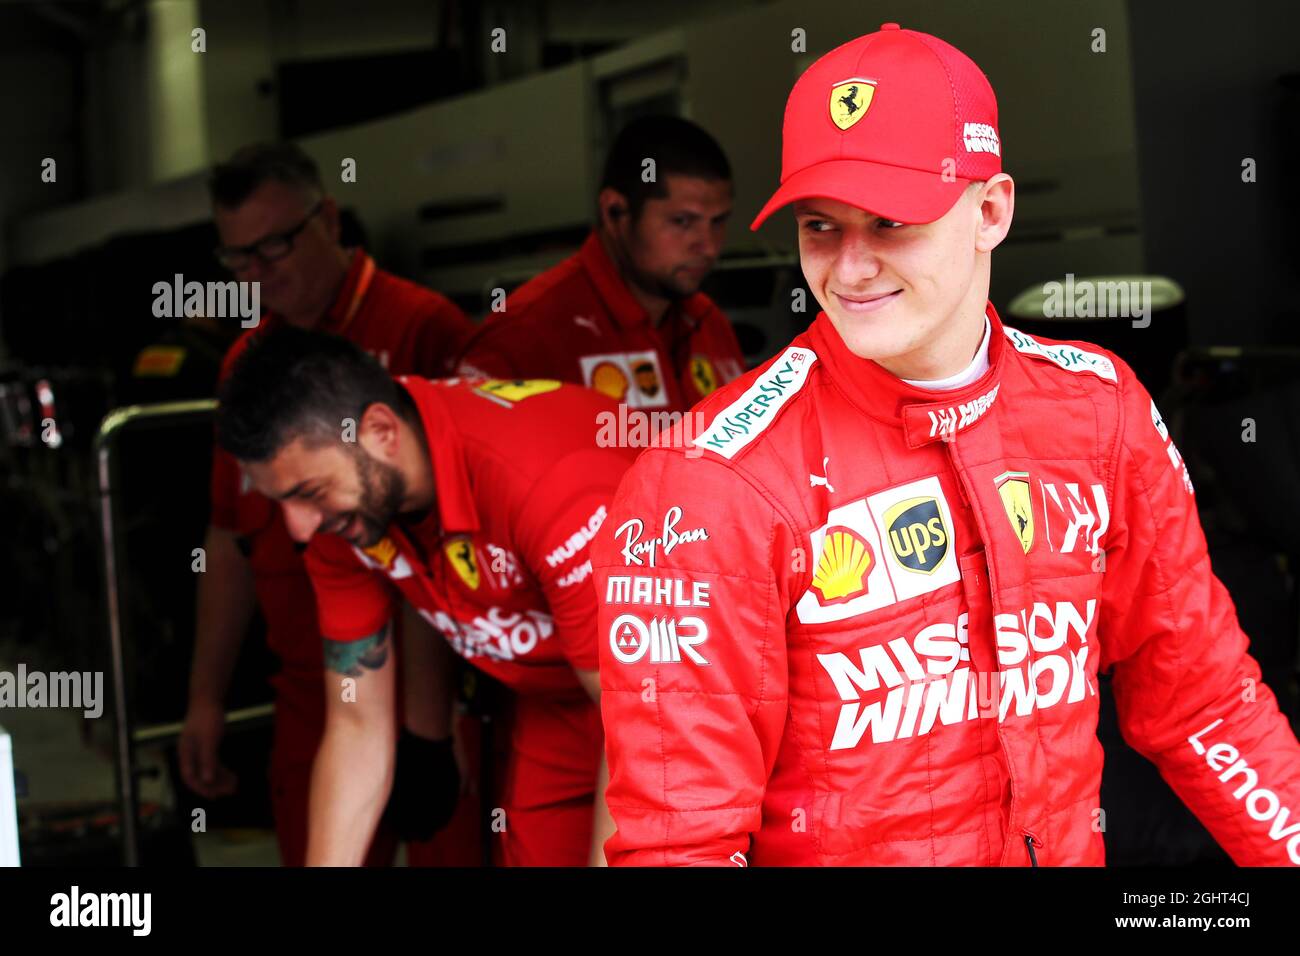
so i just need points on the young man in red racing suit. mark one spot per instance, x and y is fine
(861, 621)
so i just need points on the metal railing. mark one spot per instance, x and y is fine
(125, 736)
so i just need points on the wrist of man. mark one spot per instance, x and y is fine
(205, 700)
(426, 786)
(419, 742)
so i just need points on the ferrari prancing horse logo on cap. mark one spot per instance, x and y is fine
(850, 100)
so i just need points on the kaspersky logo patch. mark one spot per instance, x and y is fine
(844, 566)
(744, 419)
(850, 100)
(1068, 357)
(1013, 489)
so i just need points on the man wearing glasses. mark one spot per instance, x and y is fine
(278, 227)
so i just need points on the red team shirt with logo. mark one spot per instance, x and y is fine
(500, 565)
(408, 329)
(577, 322)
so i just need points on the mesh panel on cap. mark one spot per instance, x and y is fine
(973, 102)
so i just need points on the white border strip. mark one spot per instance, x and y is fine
(8, 804)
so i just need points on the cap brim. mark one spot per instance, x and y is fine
(891, 192)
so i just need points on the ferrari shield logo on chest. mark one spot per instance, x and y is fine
(1013, 489)
(702, 374)
(850, 100)
(460, 554)
(507, 392)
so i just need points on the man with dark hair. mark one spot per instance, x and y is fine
(280, 228)
(235, 180)
(476, 501)
(678, 147)
(625, 315)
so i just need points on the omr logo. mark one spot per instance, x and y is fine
(917, 535)
(666, 639)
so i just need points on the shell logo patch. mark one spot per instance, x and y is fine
(850, 100)
(460, 554)
(608, 379)
(849, 577)
(634, 378)
(844, 566)
(1013, 489)
(906, 527)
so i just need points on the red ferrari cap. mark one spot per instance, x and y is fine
(895, 122)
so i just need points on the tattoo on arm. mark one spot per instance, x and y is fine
(354, 658)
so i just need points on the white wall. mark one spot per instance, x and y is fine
(240, 56)
(174, 96)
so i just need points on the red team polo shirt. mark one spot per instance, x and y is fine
(409, 329)
(578, 322)
(500, 565)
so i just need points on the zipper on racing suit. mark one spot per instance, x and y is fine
(1032, 841)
